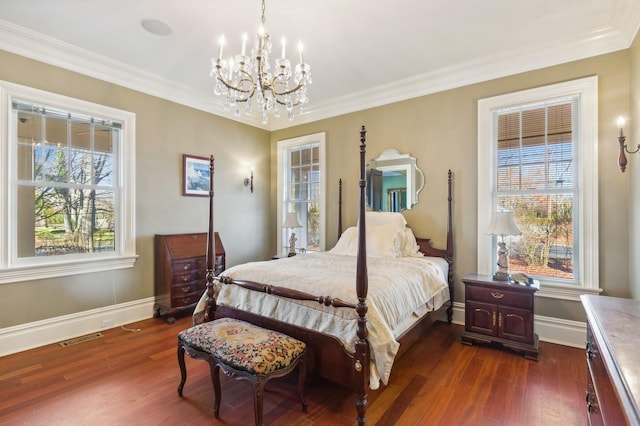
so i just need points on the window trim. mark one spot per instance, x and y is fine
(587, 175)
(283, 145)
(12, 271)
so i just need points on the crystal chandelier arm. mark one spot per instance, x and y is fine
(272, 87)
(248, 89)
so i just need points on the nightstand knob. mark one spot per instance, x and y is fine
(497, 295)
(186, 266)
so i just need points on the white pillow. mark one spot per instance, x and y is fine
(347, 243)
(408, 244)
(382, 241)
(393, 219)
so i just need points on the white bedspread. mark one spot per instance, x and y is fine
(398, 288)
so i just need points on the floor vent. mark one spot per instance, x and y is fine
(80, 339)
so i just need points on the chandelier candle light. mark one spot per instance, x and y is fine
(244, 77)
(502, 224)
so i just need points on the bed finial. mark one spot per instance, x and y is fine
(361, 357)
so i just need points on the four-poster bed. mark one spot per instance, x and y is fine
(375, 333)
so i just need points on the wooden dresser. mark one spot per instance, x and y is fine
(180, 271)
(613, 360)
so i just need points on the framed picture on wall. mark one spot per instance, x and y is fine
(195, 176)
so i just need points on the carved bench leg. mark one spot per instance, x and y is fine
(217, 390)
(302, 377)
(258, 393)
(183, 369)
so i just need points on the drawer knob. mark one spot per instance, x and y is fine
(185, 289)
(186, 300)
(591, 350)
(497, 295)
(185, 278)
(186, 266)
(592, 405)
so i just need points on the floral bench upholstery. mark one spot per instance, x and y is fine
(245, 352)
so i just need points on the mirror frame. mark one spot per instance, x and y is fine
(392, 160)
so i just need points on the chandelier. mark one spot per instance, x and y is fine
(244, 78)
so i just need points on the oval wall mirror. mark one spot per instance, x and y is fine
(393, 181)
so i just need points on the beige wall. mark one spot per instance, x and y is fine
(633, 140)
(440, 130)
(164, 131)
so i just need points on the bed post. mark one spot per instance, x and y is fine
(211, 252)
(450, 248)
(339, 208)
(361, 356)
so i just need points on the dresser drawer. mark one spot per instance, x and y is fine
(493, 295)
(186, 265)
(606, 402)
(187, 277)
(178, 291)
(187, 300)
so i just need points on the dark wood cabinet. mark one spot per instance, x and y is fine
(180, 271)
(613, 370)
(502, 312)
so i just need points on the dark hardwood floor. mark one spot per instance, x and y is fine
(129, 378)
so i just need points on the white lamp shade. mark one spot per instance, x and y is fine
(291, 221)
(503, 223)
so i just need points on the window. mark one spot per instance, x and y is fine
(537, 157)
(68, 186)
(301, 189)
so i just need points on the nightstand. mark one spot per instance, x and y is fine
(500, 312)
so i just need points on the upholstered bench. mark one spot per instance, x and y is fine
(245, 352)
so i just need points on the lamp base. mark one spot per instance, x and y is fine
(501, 276)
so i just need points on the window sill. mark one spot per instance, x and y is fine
(565, 292)
(37, 272)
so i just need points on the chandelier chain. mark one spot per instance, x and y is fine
(263, 9)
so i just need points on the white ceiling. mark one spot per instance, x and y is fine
(363, 53)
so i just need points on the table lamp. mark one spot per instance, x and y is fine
(502, 224)
(291, 222)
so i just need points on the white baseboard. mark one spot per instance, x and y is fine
(549, 329)
(39, 333)
(52, 330)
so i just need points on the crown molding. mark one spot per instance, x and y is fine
(31, 44)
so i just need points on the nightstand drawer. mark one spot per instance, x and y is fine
(495, 295)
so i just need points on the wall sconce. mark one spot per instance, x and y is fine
(248, 182)
(502, 224)
(622, 159)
